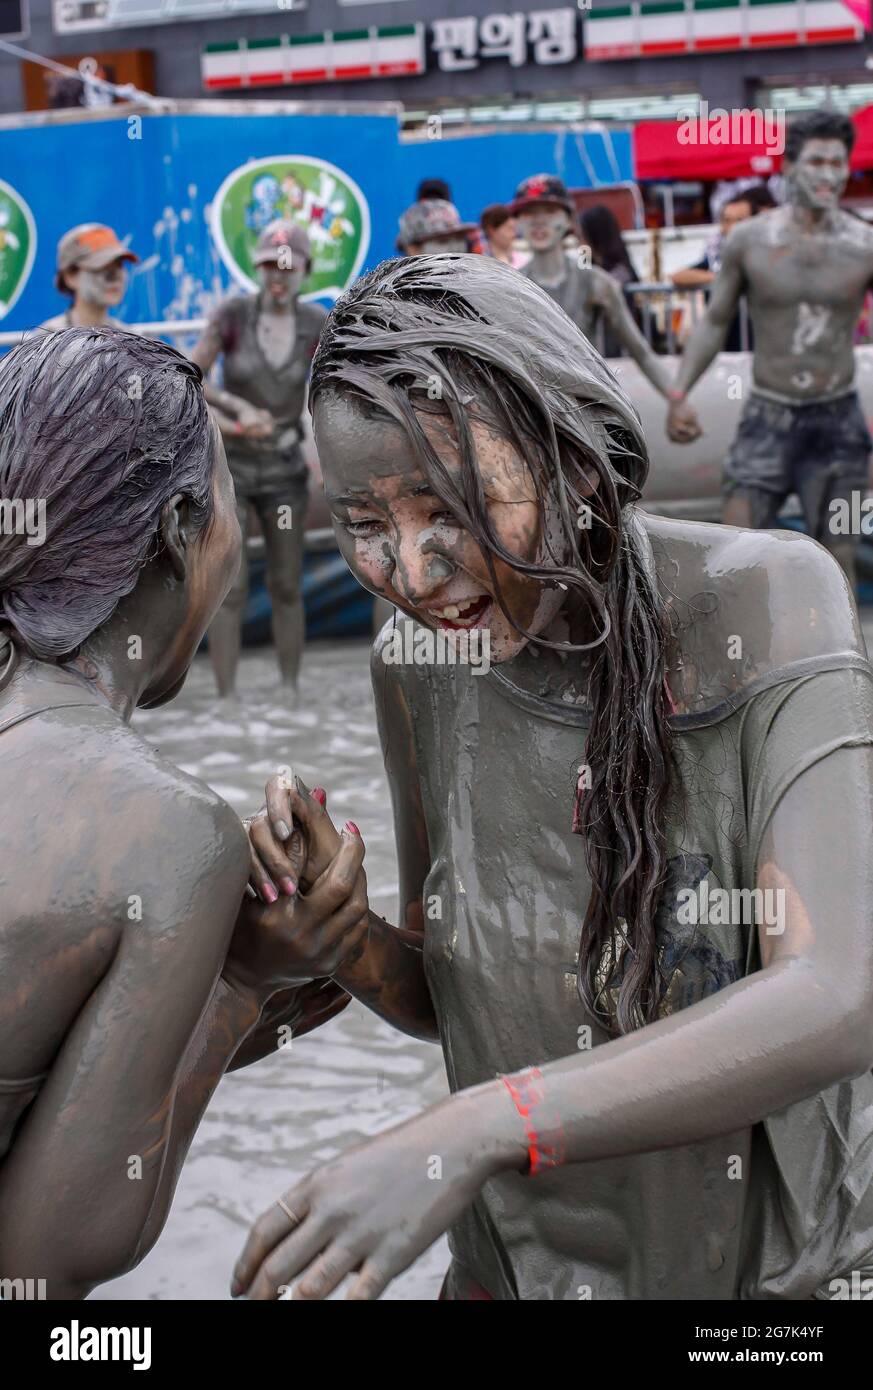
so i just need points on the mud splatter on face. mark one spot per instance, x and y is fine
(817, 178)
(544, 227)
(405, 544)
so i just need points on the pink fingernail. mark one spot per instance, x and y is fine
(269, 892)
(320, 795)
(288, 886)
(352, 828)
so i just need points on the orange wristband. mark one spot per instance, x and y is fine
(544, 1131)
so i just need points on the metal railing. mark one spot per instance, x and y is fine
(173, 329)
(664, 309)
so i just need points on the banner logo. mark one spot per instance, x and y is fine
(17, 246)
(324, 201)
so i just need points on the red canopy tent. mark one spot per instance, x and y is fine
(718, 149)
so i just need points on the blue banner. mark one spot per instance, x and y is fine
(192, 191)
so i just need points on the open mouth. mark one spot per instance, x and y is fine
(462, 615)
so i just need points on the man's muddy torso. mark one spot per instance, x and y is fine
(805, 291)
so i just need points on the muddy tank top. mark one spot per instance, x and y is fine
(247, 373)
(498, 768)
(574, 296)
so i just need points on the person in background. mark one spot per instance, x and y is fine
(601, 232)
(760, 199)
(499, 231)
(737, 209)
(587, 295)
(267, 341)
(429, 189)
(432, 226)
(91, 271)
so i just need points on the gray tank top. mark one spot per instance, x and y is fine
(247, 373)
(574, 296)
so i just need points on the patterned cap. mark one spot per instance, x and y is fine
(279, 235)
(542, 188)
(432, 218)
(93, 246)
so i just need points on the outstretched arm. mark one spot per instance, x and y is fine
(609, 297)
(710, 335)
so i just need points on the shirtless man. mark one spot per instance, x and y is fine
(544, 213)
(805, 268)
(91, 271)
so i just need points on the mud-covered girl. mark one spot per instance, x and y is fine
(645, 1106)
(133, 972)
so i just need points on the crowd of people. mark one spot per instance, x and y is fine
(265, 343)
(646, 1103)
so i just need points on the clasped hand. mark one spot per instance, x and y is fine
(317, 918)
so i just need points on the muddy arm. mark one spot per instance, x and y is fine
(111, 1126)
(710, 335)
(388, 973)
(288, 1015)
(614, 305)
(226, 406)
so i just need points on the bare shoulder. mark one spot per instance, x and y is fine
(602, 288)
(854, 230)
(145, 812)
(742, 604)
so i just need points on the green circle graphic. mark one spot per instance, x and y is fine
(314, 194)
(17, 246)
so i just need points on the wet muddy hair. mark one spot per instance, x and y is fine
(501, 350)
(103, 427)
(821, 124)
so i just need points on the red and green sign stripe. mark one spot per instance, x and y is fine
(379, 51)
(654, 28)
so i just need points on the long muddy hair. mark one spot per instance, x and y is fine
(488, 343)
(101, 427)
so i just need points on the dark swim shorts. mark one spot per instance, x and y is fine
(819, 450)
(268, 475)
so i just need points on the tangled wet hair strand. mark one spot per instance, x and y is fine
(503, 353)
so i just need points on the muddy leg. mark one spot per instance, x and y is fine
(751, 507)
(285, 546)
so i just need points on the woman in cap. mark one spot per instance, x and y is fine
(266, 342)
(433, 224)
(91, 271)
(636, 855)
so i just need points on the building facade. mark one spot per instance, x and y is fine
(531, 61)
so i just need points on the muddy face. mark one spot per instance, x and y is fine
(544, 226)
(281, 287)
(503, 237)
(103, 288)
(435, 245)
(402, 542)
(817, 178)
